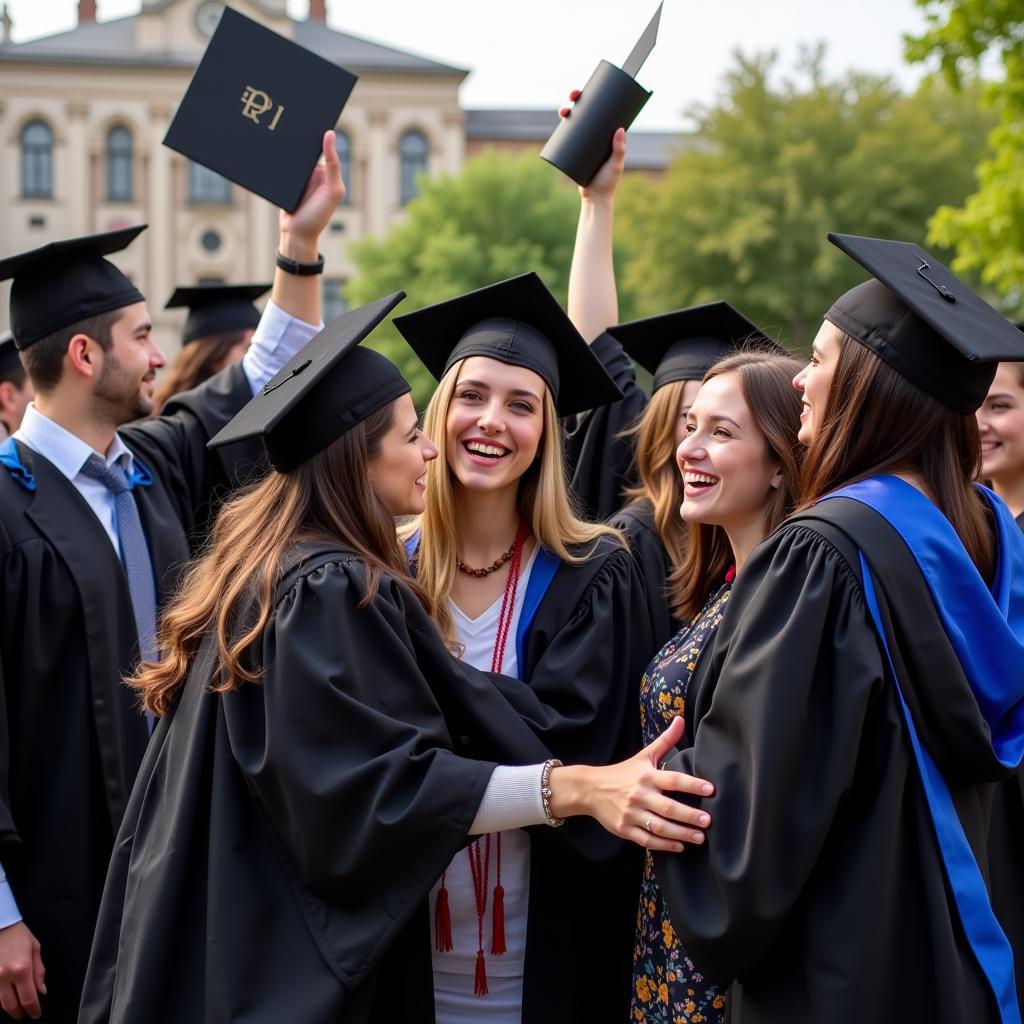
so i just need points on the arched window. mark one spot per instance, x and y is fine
(37, 160)
(413, 150)
(119, 163)
(206, 186)
(343, 144)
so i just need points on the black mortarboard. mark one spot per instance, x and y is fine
(257, 109)
(685, 344)
(519, 322)
(8, 354)
(923, 321)
(61, 283)
(217, 308)
(323, 391)
(611, 99)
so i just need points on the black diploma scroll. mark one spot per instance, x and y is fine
(612, 98)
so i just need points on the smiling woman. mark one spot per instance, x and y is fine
(1001, 422)
(524, 587)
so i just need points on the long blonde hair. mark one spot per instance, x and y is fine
(661, 484)
(545, 505)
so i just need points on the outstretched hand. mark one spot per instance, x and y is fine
(324, 191)
(629, 798)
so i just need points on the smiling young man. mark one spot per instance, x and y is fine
(95, 522)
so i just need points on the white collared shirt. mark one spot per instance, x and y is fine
(277, 338)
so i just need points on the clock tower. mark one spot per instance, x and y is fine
(186, 25)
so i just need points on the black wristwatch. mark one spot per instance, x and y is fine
(300, 269)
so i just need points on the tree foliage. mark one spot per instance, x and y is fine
(499, 217)
(966, 37)
(743, 214)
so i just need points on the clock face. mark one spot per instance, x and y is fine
(207, 16)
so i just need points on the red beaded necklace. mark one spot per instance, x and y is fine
(480, 863)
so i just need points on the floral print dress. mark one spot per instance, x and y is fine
(667, 988)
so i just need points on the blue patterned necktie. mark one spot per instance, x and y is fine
(134, 552)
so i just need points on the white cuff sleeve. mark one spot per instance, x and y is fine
(9, 913)
(277, 338)
(511, 800)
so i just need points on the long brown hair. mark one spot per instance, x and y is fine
(876, 421)
(766, 383)
(545, 506)
(660, 483)
(326, 498)
(197, 361)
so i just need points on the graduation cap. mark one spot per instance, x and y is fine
(217, 308)
(922, 320)
(685, 344)
(322, 392)
(257, 109)
(61, 283)
(8, 354)
(519, 322)
(582, 141)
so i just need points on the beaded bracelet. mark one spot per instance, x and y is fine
(545, 791)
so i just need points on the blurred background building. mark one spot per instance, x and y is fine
(83, 114)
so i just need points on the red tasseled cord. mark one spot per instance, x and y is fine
(498, 921)
(442, 921)
(480, 982)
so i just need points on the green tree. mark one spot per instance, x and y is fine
(743, 214)
(499, 217)
(965, 37)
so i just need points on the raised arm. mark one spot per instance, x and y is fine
(593, 301)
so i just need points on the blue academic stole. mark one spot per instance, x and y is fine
(993, 660)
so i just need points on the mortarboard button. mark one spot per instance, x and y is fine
(257, 108)
(321, 392)
(923, 321)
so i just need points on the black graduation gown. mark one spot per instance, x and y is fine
(1006, 861)
(599, 460)
(71, 739)
(636, 521)
(820, 888)
(281, 840)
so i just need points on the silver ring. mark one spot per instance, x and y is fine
(647, 826)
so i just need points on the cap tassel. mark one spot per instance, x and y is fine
(480, 981)
(498, 921)
(442, 920)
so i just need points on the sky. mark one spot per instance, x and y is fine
(530, 53)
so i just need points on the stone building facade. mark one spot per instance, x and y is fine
(83, 114)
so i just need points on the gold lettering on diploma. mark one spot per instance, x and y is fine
(255, 103)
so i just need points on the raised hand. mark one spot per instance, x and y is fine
(323, 192)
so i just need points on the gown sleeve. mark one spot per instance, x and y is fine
(779, 711)
(636, 523)
(173, 445)
(345, 748)
(583, 668)
(599, 461)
